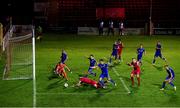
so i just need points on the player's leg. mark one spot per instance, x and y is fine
(64, 75)
(163, 58)
(139, 58)
(172, 84)
(138, 79)
(101, 82)
(90, 71)
(163, 85)
(108, 31)
(112, 81)
(99, 31)
(110, 59)
(132, 78)
(164, 82)
(113, 31)
(154, 60)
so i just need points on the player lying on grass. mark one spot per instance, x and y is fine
(120, 47)
(60, 70)
(104, 68)
(170, 78)
(136, 70)
(85, 80)
(158, 53)
(140, 52)
(114, 52)
(63, 57)
(92, 66)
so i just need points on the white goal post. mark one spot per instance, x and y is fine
(18, 47)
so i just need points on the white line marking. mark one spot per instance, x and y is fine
(122, 81)
(127, 89)
(116, 72)
(81, 93)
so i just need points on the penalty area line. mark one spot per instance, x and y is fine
(122, 81)
(82, 93)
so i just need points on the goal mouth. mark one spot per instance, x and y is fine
(18, 48)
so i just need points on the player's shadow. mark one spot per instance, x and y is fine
(159, 68)
(148, 61)
(55, 84)
(157, 85)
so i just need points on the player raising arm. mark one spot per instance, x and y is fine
(104, 68)
(136, 70)
(60, 70)
(140, 52)
(170, 78)
(158, 53)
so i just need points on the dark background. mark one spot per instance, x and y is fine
(165, 13)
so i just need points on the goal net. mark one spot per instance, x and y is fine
(17, 45)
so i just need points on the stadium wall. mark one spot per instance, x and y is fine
(94, 31)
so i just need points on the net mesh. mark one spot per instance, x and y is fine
(18, 49)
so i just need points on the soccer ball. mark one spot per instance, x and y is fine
(66, 85)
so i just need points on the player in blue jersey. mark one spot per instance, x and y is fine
(93, 64)
(158, 53)
(114, 52)
(170, 78)
(140, 52)
(64, 57)
(104, 68)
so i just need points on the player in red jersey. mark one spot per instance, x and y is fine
(85, 80)
(119, 49)
(136, 70)
(60, 70)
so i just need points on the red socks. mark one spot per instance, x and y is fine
(132, 79)
(138, 81)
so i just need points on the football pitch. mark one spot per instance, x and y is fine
(52, 93)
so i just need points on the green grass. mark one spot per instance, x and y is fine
(51, 93)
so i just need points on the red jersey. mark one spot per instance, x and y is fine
(120, 46)
(135, 66)
(89, 81)
(60, 67)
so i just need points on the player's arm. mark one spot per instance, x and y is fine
(137, 50)
(122, 45)
(144, 52)
(67, 68)
(129, 64)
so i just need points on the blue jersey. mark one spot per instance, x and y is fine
(114, 50)
(104, 68)
(158, 48)
(140, 51)
(63, 57)
(170, 73)
(92, 62)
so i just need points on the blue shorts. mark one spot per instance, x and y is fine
(167, 78)
(63, 61)
(114, 53)
(104, 76)
(90, 70)
(139, 57)
(158, 54)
